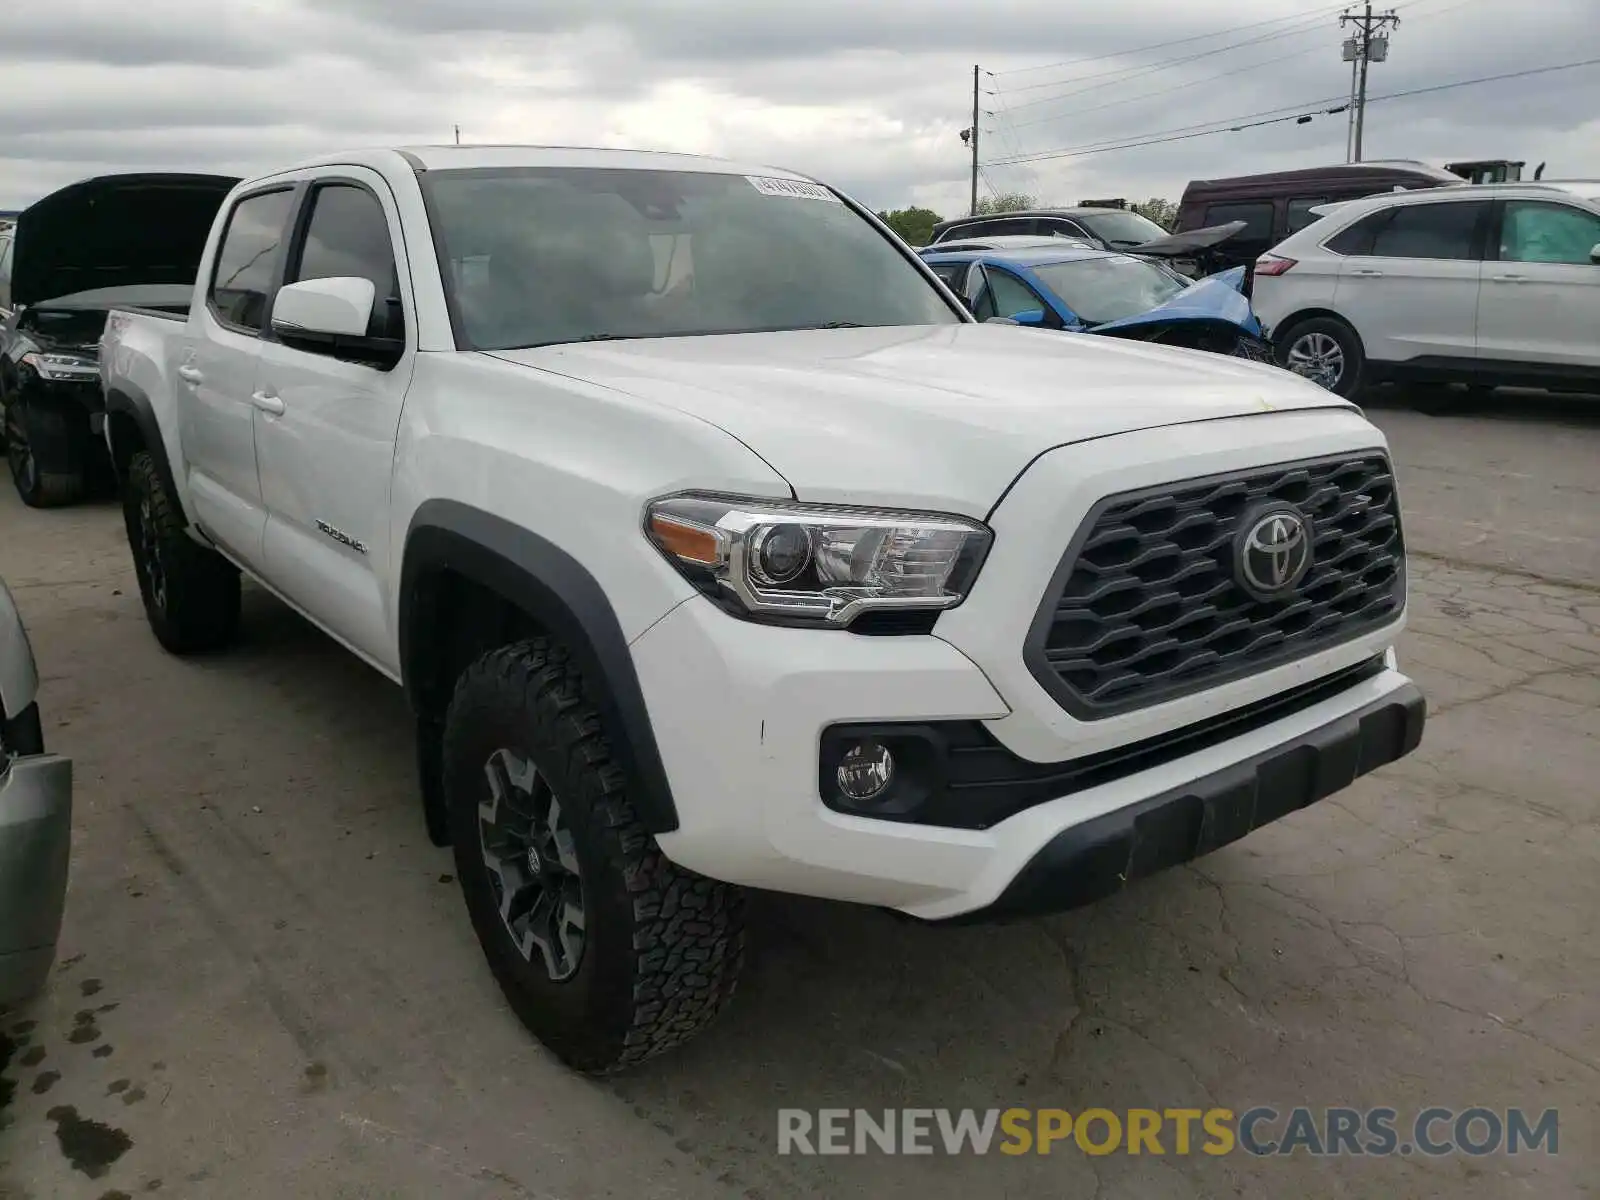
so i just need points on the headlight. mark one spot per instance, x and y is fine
(814, 564)
(62, 368)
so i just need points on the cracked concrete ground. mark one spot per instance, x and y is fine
(268, 987)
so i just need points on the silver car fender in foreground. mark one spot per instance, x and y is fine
(35, 821)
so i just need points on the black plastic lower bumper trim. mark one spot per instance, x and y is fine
(1101, 856)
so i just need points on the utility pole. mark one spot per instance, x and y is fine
(1350, 107)
(974, 141)
(1370, 44)
(458, 135)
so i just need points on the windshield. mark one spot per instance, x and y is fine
(1121, 228)
(1108, 289)
(537, 256)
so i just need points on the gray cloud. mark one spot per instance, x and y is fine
(870, 97)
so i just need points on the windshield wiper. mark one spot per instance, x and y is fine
(839, 325)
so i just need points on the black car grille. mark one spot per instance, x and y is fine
(1145, 606)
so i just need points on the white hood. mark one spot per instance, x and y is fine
(941, 417)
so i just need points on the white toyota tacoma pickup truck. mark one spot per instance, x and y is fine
(717, 546)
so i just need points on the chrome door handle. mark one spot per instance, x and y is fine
(1368, 274)
(1510, 278)
(190, 374)
(267, 403)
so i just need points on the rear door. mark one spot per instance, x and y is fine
(1541, 287)
(325, 431)
(216, 370)
(1409, 280)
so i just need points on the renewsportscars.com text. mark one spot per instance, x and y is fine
(1260, 1131)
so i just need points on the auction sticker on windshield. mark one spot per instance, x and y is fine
(794, 188)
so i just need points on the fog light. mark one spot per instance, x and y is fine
(865, 771)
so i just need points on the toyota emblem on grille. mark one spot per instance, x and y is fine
(1272, 551)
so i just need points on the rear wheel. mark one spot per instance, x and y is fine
(1327, 352)
(46, 452)
(607, 951)
(190, 592)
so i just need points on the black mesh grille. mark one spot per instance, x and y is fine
(1145, 606)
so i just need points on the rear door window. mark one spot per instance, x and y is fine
(999, 228)
(248, 259)
(1256, 215)
(1432, 231)
(1300, 214)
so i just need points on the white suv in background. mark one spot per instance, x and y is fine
(1485, 285)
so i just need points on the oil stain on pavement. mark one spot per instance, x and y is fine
(90, 1146)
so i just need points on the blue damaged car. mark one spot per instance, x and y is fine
(1085, 290)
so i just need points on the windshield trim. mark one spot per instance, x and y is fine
(441, 253)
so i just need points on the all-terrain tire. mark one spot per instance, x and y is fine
(1326, 340)
(43, 484)
(662, 947)
(190, 592)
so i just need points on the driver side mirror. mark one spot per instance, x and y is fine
(332, 316)
(1029, 316)
(1594, 254)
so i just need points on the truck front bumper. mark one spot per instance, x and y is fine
(743, 714)
(1098, 857)
(35, 848)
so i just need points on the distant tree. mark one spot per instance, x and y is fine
(1007, 202)
(1163, 212)
(915, 225)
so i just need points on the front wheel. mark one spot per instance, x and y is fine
(1325, 351)
(191, 593)
(46, 452)
(607, 951)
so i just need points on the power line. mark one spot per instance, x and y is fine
(1202, 37)
(1004, 126)
(1306, 112)
(1184, 134)
(1138, 72)
(1189, 83)
(1315, 27)
(1460, 83)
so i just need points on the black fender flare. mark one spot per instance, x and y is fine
(128, 400)
(557, 592)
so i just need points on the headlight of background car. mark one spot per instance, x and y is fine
(805, 564)
(62, 368)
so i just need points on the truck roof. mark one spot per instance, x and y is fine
(452, 157)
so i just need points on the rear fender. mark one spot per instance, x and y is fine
(131, 426)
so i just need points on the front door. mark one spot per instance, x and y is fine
(216, 369)
(326, 436)
(1541, 289)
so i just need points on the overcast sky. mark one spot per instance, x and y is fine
(869, 95)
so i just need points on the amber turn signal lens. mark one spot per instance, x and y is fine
(691, 543)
